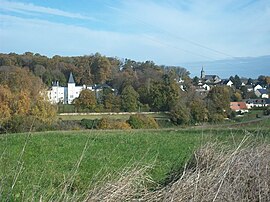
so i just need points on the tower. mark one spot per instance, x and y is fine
(202, 73)
(71, 89)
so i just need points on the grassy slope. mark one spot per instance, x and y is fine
(50, 158)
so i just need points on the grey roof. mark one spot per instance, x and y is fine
(71, 79)
(225, 81)
(210, 77)
(263, 91)
(101, 86)
(255, 101)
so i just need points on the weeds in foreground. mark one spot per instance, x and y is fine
(214, 174)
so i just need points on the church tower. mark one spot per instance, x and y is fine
(202, 73)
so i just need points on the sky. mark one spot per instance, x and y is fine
(188, 33)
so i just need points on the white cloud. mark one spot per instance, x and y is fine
(59, 39)
(167, 33)
(31, 9)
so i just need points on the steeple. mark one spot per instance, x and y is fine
(202, 73)
(71, 79)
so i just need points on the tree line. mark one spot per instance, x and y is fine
(138, 86)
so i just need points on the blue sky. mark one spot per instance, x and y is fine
(169, 32)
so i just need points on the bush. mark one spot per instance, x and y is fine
(89, 124)
(216, 118)
(68, 125)
(22, 123)
(106, 123)
(266, 112)
(139, 121)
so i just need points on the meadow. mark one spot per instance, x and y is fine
(49, 164)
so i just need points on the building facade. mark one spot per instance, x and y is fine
(65, 95)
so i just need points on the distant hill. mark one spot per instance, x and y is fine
(250, 67)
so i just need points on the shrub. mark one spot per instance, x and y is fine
(89, 123)
(139, 121)
(106, 123)
(68, 125)
(216, 118)
(22, 123)
(266, 111)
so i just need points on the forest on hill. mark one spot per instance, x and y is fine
(138, 86)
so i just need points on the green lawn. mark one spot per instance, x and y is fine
(50, 159)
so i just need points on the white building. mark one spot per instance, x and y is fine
(258, 86)
(65, 95)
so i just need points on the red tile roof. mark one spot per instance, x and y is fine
(236, 106)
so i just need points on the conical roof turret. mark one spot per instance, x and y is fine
(71, 78)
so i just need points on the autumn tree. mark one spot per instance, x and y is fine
(198, 111)
(22, 99)
(5, 102)
(101, 69)
(87, 99)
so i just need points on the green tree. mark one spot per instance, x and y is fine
(198, 111)
(236, 81)
(129, 99)
(218, 102)
(195, 80)
(180, 114)
(164, 94)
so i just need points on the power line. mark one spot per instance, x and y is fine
(176, 36)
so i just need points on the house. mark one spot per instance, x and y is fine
(66, 95)
(239, 107)
(202, 89)
(227, 82)
(181, 84)
(206, 87)
(256, 103)
(249, 88)
(262, 93)
(256, 87)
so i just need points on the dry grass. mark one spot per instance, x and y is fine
(216, 173)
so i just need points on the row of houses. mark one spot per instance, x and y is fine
(206, 82)
(248, 104)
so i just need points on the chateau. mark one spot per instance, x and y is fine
(65, 95)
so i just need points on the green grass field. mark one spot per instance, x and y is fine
(51, 160)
